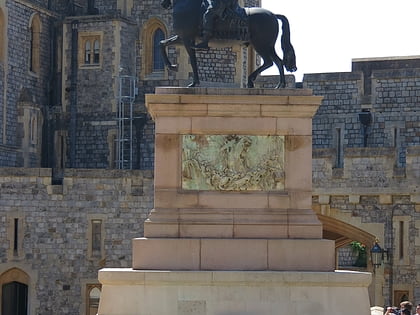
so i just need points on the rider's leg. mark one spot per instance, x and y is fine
(207, 29)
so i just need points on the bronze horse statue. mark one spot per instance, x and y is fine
(262, 31)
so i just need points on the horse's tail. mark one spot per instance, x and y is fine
(289, 56)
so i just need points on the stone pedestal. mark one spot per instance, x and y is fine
(138, 292)
(232, 222)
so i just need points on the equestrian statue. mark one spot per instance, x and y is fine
(226, 20)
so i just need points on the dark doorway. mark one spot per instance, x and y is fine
(14, 300)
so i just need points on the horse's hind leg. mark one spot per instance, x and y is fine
(279, 63)
(162, 45)
(268, 62)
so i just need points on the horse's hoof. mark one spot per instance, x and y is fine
(281, 86)
(250, 85)
(193, 84)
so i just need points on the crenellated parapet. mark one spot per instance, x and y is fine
(366, 171)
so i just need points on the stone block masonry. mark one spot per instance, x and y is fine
(56, 219)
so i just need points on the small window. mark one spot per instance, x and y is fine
(158, 64)
(96, 237)
(87, 53)
(96, 52)
(34, 40)
(90, 50)
(15, 235)
(93, 296)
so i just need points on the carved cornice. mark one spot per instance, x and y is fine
(233, 103)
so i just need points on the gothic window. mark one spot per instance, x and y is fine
(93, 294)
(152, 62)
(14, 298)
(96, 52)
(90, 50)
(34, 53)
(87, 53)
(158, 64)
(14, 292)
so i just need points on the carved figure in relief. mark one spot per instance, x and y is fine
(232, 162)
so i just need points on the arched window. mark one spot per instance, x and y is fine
(96, 49)
(158, 64)
(152, 62)
(14, 298)
(35, 31)
(90, 49)
(93, 295)
(2, 36)
(87, 52)
(14, 292)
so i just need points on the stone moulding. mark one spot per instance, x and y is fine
(128, 276)
(190, 105)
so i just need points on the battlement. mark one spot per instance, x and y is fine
(366, 171)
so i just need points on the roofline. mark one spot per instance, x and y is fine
(385, 58)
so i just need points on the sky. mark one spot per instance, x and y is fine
(328, 34)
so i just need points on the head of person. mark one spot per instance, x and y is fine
(418, 309)
(406, 305)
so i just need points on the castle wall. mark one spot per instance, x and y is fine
(369, 191)
(365, 177)
(53, 235)
(19, 83)
(392, 101)
(372, 180)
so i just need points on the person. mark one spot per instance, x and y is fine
(418, 309)
(405, 308)
(215, 9)
(406, 305)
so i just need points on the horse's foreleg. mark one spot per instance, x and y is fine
(251, 78)
(162, 45)
(193, 59)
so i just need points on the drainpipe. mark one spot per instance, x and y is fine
(73, 92)
(47, 127)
